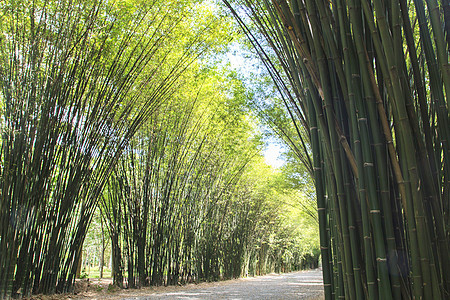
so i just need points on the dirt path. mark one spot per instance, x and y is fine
(296, 285)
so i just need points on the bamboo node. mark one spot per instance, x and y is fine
(379, 259)
(375, 211)
(368, 164)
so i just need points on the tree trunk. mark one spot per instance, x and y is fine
(102, 253)
(80, 260)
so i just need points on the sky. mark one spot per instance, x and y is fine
(244, 65)
(272, 154)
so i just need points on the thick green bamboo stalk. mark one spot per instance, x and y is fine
(370, 273)
(321, 201)
(406, 134)
(336, 160)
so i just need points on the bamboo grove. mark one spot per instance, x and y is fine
(170, 187)
(110, 109)
(76, 86)
(181, 207)
(369, 81)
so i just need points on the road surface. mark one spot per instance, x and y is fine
(296, 285)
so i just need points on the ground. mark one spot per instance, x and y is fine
(295, 285)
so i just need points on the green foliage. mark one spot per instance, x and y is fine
(175, 184)
(78, 79)
(195, 199)
(284, 234)
(83, 274)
